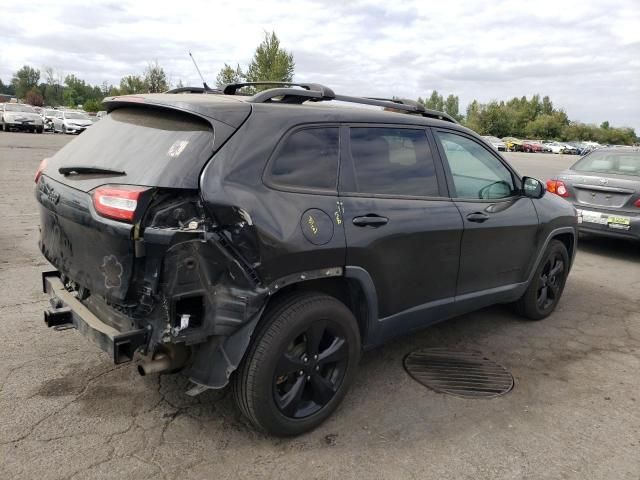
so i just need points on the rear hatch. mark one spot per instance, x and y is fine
(157, 148)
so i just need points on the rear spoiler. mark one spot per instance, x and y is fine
(232, 114)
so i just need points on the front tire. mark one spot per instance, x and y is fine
(300, 365)
(544, 292)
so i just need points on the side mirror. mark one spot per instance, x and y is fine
(532, 187)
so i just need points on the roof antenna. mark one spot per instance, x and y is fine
(206, 87)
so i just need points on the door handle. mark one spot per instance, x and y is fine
(477, 217)
(370, 221)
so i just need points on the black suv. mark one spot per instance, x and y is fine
(265, 240)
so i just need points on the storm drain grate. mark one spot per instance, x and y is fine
(464, 374)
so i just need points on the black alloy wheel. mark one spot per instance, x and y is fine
(550, 281)
(300, 363)
(311, 370)
(546, 287)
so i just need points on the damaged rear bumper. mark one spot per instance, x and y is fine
(66, 309)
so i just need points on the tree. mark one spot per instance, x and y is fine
(547, 106)
(24, 80)
(76, 92)
(270, 62)
(132, 84)
(472, 119)
(435, 101)
(33, 97)
(546, 126)
(52, 88)
(155, 78)
(604, 125)
(452, 107)
(228, 75)
(92, 105)
(7, 89)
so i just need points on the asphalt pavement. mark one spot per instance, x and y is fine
(67, 412)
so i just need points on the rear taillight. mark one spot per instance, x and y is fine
(637, 203)
(117, 201)
(558, 187)
(41, 167)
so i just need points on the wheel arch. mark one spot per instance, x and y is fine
(569, 241)
(568, 236)
(354, 289)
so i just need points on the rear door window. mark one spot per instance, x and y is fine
(307, 159)
(392, 161)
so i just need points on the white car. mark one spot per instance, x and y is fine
(556, 147)
(496, 143)
(70, 122)
(18, 116)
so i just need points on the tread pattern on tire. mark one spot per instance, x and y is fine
(266, 333)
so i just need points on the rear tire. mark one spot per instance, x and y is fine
(546, 287)
(300, 365)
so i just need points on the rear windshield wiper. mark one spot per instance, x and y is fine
(79, 170)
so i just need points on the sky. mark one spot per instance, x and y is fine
(584, 54)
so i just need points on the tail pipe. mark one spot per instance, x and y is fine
(169, 358)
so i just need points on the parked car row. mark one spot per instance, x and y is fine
(512, 144)
(18, 116)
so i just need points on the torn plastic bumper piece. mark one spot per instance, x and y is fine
(67, 309)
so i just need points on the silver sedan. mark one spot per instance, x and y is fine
(604, 186)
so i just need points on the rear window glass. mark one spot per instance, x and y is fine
(308, 159)
(618, 163)
(154, 147)
(393, 161)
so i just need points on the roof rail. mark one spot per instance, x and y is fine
(315, 92)
(231, 88)
(409, 106)
(194, 90)
(420, 109)
(401, 101)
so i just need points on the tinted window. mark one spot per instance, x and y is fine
(308, 158)
(393, 161)
(476, 172)
(154, 147)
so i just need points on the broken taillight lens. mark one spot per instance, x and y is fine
(41, 167)
(117, 201)
(558, 187)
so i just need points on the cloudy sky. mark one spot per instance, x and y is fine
(584, 54)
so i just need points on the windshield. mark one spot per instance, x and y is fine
(15, 107)
(51, 113)
(617, 163)
(79, 116)
(154, 147)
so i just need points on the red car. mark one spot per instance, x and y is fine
(532, 147)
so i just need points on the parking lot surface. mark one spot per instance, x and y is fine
(67, 412)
